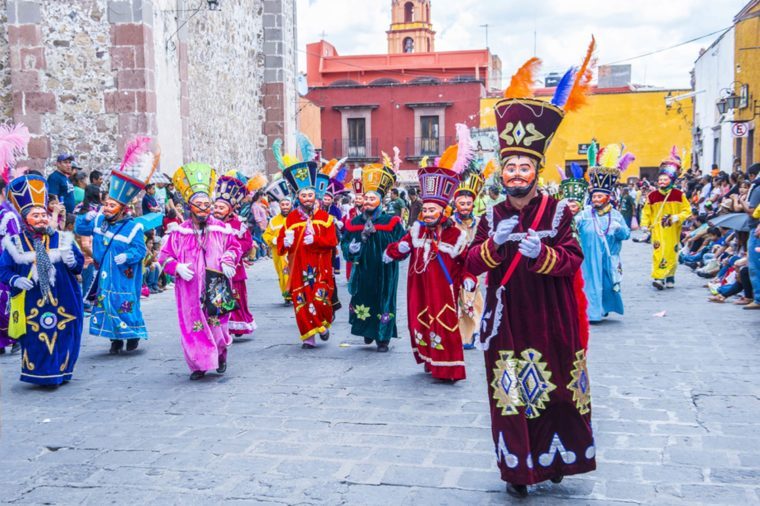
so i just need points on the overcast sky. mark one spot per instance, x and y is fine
(623, 29)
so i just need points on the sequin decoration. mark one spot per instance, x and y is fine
(534, 382)
(580, 386)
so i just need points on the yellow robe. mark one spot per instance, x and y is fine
(470, 303)
(666, 236)
(280, 262)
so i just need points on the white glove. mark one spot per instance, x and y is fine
(469, 285)
(120, 258)
(403, 247)
(386, 258)
(228, 270)
(290, 236)
(23, 283)
(155, 265)
(530, 247)
(90, 215)
(274, 241)
(674, 219)
(354, 247)
(644, 229)
(339, 224)
(308, 239)
(503, 229)
(184, 271)
(69, 259)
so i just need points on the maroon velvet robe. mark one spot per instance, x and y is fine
(531, 334)
(431, 295)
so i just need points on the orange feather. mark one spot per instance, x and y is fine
(449, 157)
(582, 85)
(329, 166)
(522, 82)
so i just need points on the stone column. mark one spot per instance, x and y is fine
(134, 97)
(28, 65)
(279, 76)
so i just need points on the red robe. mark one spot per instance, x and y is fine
(535, 360)
(432, 297)
(311, 273)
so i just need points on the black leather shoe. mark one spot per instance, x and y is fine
(197, 375)
(116, 346)
(557, 479)
(325, 335)
(222, 365)
(382, 347)
(520, 491)
(15, 348)
(2, 350)
(132, 344)
(307, 346)
(368, 340)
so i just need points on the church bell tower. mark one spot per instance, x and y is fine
(411, 30)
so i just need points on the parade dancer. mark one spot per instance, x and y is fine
(195, 253)
(573, 188)
(336, 171)
(118, 251)
(228, 195)
(279, 191)
(437, 252)
(470, 302)
(41, 265)
(532, 332)
(308, 239)
(373, 283)
(602, 230)
(663, 215)
(357, 209)
(13, 143)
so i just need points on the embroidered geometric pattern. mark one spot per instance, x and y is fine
(534, 382)
(580, 386)
(556, 447)
(505, 386)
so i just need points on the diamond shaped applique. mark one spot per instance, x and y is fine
(505, 386)
(519, 132)
(534, 384)
(448, 318)
(424, 318)
(580, 386)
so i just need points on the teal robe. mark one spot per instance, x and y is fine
(373, 283)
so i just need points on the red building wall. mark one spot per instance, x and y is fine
(392, 120)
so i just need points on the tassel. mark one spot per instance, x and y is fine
(582, 83)
(563, 88)
(522, 82)
(277, 152)
(464, 148)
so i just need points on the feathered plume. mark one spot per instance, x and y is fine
(610, 156)
(308, 153)
(522, 82)
(464, 148)
(449, 157)
(140, 161)
(625, 161)
(424, 162)
(563, 88)
(257, 181)
(328, 168)
(277, 152)
(561, 172)
(593, 149)
(582, 82)
(289, 160)
(341, 175)
(576, 171)
(396, 159)
(489, 169)
(13, 143)
(387, 162)
(336, 169)
(674, 154)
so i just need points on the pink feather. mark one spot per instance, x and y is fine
(674, 153)
(625, 161)
(396, 159)
(13, 142)
(134, 150)
(561, 172)
(464, 148)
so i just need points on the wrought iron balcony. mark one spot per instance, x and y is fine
(419, 147)
(355, 151)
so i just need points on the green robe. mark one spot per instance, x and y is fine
(373, 283)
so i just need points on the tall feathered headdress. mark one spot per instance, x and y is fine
(13, 142)
(141, 159)
(577, 97)
(521, 85)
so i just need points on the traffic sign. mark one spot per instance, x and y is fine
(740, 129)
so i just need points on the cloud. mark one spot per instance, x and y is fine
(562, 30)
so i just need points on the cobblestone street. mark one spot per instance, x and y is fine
(676, 411)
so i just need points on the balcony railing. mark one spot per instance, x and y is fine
(355, 151)
(418, 147)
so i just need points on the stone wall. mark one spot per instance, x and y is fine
(6, 97)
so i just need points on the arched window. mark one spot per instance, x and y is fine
(408, 12)
(408, 45)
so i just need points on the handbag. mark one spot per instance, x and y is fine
(218, 299)
(17, 320)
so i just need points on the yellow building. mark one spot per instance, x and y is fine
(639, 119)
(747, 76)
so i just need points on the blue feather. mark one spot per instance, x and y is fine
(576, 170)
(342, 173)
(563, 88)
(308, 153)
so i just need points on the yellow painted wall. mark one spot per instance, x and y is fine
(309, 120)
(639, 120)
(747, 71)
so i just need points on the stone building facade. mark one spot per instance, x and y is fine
(87, 75)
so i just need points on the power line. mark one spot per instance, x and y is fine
(669, 47)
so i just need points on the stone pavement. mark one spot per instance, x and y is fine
(676, 414)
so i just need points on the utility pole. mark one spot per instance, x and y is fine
(486, 27)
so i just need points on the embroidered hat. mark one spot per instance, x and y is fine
(671, 166)
(606, 165)
(26, 192)
(574, 186)
(193, 178)
(137, 168)
(230, 190)
(439, 182)
(278, 189)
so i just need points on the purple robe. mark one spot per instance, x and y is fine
(204, 338)
(10, 225)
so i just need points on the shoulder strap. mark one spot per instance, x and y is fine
(518, 255)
